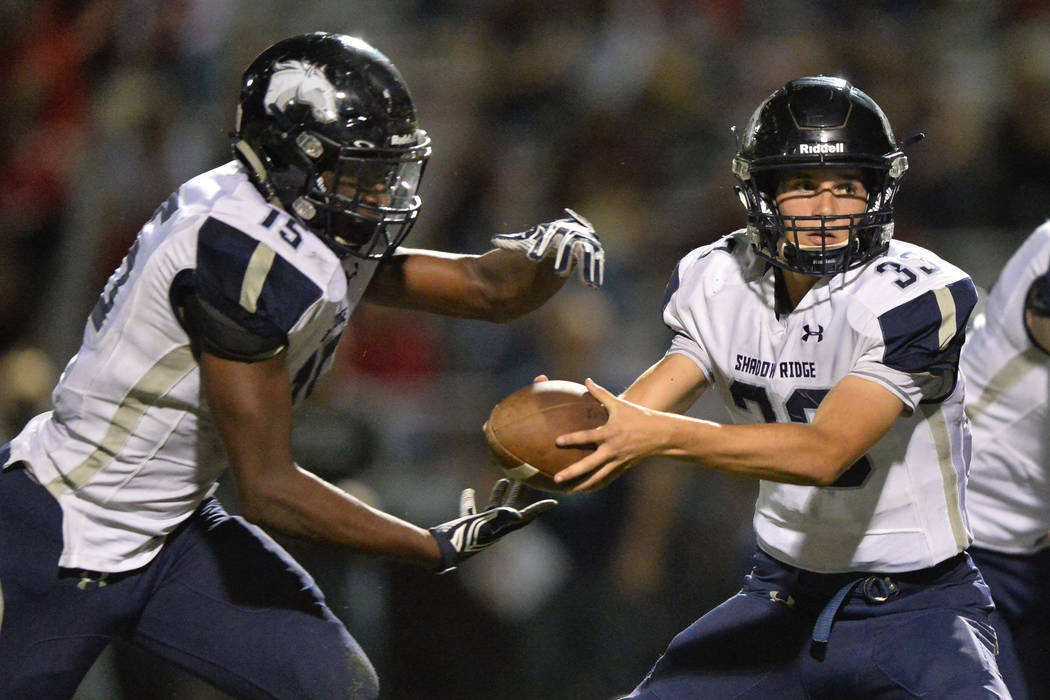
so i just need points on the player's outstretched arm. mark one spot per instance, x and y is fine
(1037, 312)
(848, 422)
(252, 408)
(519, 275)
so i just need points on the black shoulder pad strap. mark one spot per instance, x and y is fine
(217, 333)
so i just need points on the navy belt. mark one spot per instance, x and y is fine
(878, 589)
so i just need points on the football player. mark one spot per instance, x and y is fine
(1006, 361)
(220, 319)
(835, 349)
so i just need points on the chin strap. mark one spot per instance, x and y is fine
(250, 158)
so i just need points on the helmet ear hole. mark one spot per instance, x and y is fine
(766, 184)
(874, 181)
(275, 145)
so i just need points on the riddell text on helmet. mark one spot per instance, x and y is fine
(814, 148)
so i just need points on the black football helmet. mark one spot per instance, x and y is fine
(818, 122)
(327, 130)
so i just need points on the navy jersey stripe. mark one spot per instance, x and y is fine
(287, 294)
(672, 285)
(922, 335)
(224, 255)
(727, 245)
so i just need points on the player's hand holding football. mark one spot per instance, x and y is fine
(472, 531)
(568, 240)
(632, 433)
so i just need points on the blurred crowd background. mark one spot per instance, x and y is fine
(620, 109)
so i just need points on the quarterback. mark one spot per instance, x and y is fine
(835, 349)
(220, 319)
(1006, 361)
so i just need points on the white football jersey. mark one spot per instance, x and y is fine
(129, 449)
(1008, 402)
(899, 321)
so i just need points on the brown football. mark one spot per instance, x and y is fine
(521, 429)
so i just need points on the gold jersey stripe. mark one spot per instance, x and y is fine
(255, 276)
(946, 303)
(1006, 377)
(943, 445)
(156, 382)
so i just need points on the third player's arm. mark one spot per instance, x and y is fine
(849, 421)
(1037, 311)
(499, 286)
(252, 407)
(1039, 330)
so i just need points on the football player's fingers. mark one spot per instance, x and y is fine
(512, 241)
(563, 257)
(496, 497)
(595, 266)
(537, 509)
(584, 263)
(592, 277)
(466, 503)
(605, 397)
(580, 438)
(541, 241)
(598, 261)
(583, 466)
(513, 494)
(535, 240)
(540, 378)
(600, 478)
(580, 218)
(588, 484)
(562, 265)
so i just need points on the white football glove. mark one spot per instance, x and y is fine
(571, 239)
(472, 531)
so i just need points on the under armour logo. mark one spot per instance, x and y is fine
(775, 597)
(807, 332)
(86, 578)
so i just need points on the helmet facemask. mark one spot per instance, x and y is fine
(775, 235)
(361, 201)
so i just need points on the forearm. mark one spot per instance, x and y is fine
(301, 504)
(784, 452)
(498, 286)
(515, 285)
(673, 384)
(1039, 330)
